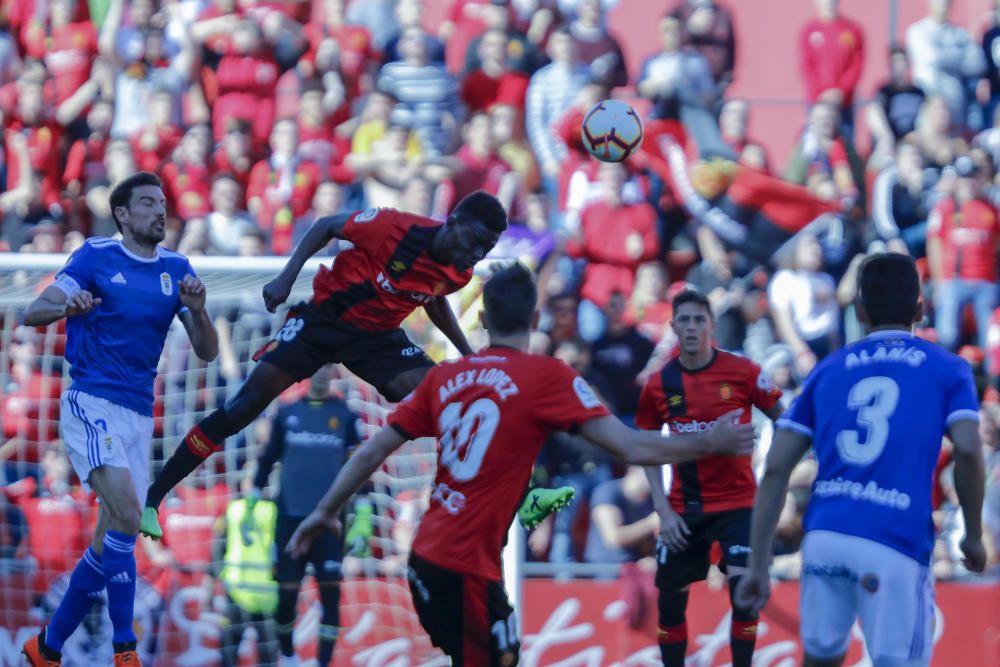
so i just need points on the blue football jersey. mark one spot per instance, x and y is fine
(876, 412)
(114, 349)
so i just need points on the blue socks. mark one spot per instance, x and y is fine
(85, 585)
(119, 578)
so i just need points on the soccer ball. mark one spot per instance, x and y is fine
(612, 131)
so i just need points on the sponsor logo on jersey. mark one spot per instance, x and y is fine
(586, 395)
(738, 549)
(411, 351)
(695, 426)
(725, 391)
(366, 215)
(675, 400)
(870, 492)
(118, 279)
(398, 266)
(310, 439)
(453, 501)
(166, 284)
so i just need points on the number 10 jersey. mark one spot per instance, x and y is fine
(491, 413)
(876, 411)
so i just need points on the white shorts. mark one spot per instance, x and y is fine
(98, 433)
(846, 578)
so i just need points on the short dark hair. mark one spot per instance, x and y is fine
(889, 289)
(509, 298)
(690, 295)
(484, 207)
(121, 195)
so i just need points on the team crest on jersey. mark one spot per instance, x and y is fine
(166, 284)
(870, 582)
(725, 391)
(366, 215)
(333, 423)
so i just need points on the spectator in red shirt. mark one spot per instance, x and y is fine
(480, 166)
(186, 181)
(962, 242)
(66, 47)
(832, 52)
(156, 141)
(483, 87)
(40, 179)
(282, 186)
(234, 154)
(85, 159)
(318, 143)
(359, 60)
(615, 238)
(247, 78)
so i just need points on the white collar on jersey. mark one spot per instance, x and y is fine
(136, 257)
(889, 333)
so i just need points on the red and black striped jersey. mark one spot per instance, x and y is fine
(690, 400)
(388, 273)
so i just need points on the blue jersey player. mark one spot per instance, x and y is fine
(119, 298)
(875, 413)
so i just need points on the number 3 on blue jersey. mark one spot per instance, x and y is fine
(875, 398)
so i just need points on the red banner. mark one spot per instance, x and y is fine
(570, 624)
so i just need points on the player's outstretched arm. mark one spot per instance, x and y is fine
(195, 319)
(443, 317)
(727, 436)
(352, 476)
(969, 483)
(786, 451)
(322, 231)
(53, 304)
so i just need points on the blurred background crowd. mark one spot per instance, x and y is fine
(262, 115)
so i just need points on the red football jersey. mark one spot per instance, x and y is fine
(388, 273)
(689, 401)
(491, 412)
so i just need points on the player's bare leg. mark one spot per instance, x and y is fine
(264, 384)
(400, 386)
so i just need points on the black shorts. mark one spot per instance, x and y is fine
(731, 529)
(326, 554)
(468, 617)
(313, 336)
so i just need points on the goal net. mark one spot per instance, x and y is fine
(178, 609)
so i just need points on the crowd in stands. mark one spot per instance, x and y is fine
(261, 116)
